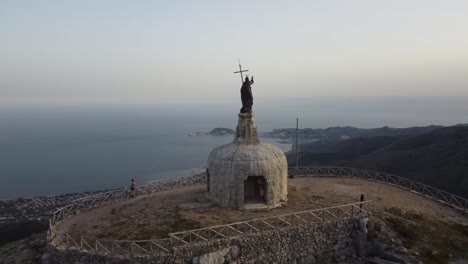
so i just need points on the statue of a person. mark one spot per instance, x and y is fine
(246, 95)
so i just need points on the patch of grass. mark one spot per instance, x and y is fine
(404, 229)
(317, 196)
(463, 229)
(377, 226)
(182, 224)
(406, 214)
(175, 224)
(394, 211)
(158, 233)
(434, 256)
(437, 242)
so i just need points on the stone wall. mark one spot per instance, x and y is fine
(319, 243)
(231, 164)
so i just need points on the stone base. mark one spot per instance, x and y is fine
(231, 165)
(246, 132)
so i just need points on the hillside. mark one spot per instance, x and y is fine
(307, 135)
(438, 158)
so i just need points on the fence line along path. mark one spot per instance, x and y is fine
(335, 213)
(125, 248)
(444, 197)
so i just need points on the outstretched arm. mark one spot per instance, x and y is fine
(251, 81)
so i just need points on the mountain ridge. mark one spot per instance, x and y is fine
(438, 158)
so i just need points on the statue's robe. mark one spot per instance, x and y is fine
(246, 96)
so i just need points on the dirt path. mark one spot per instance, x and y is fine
(156, 215)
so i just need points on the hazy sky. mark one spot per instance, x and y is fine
(187, 50)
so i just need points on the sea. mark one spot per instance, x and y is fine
(58, 148)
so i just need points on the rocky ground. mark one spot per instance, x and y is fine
(35, 208)
(19, 218)
(405, 224)
(149, 216)
(402, 219)
(25, 251)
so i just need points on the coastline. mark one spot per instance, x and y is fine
(22, 217)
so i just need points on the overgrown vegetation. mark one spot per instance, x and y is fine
(24, 251)
(19, 230)
(404, 229)
(461, 228)
(435, 241)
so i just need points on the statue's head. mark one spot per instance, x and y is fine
(247, 79)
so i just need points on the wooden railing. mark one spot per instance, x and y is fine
(109, 247)
(115, 195)
(444, 197)
(127, 248)
(346, 211)
(154, 246)
(106, 246)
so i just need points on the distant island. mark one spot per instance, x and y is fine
(219, 131)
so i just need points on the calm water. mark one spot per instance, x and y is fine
(54, 149)
(58, 150)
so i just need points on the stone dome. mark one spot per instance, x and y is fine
(241, 174)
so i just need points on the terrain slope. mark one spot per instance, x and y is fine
(402, 218)
(438, 158)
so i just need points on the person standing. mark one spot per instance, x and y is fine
(132, 188)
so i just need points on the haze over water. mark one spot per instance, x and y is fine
(56, 149)
(93, 93)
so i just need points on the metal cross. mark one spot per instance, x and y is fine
(241, 71)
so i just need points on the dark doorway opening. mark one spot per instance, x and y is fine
(255, 190)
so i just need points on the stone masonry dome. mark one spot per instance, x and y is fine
(247, 172)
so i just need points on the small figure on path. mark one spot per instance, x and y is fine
(246, 95)
(132, 188)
